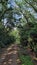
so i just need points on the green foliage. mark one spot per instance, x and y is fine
(26, 60)
(5, 38)
(25, 11)
(15, 33)
(28, 35)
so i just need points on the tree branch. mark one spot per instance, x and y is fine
(2, 15)
(31, 5)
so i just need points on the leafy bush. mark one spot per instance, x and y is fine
(26, 60)
(5, 38)
(29, 30)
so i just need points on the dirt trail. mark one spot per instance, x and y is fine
(10, 56)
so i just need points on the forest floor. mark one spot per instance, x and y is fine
(9, 56)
